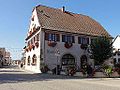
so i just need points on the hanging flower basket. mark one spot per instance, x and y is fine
(52, 44)
(26, 49)
(84, 46)
(34, 29)
(30, 47)
(37, 44)
(68, 45)
(30, 32)
(33, 46)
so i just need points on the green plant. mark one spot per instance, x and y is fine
(72, 71)
(107, 70)
(101, 49)
(45, 69)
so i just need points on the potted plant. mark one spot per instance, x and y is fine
(107, 70)
(45, 69)
(117, 68)
(72, 71)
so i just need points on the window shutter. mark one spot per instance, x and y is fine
(46, 36)
(38, 36)
(79, 40)
(34, 39)
(73, 39)
(87, 40)
(63, 38)
(58, 37)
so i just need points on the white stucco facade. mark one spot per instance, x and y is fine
(36, 51)
(48, 53)
(58, 54)
(116, 51)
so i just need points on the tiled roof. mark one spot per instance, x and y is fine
(56, 19)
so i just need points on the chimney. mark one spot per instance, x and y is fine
(63, 9)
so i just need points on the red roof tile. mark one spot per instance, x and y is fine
(56, 19)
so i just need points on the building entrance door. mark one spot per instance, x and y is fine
(67, 60)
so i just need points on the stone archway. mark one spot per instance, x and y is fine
(68, 60)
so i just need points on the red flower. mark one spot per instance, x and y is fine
(37, 44)
(83, 46)
(33, 47)
(52, 43)
(26, 49)
(68, 45)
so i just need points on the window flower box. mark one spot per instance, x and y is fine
(34, 29)
(30, 47)
(30, 32)
(33, 64)
(26, 49)
(83, 46)
(68, 45)
(52, 43)
(33, 46)
(37, 44)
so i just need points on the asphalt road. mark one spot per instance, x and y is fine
(16, 79)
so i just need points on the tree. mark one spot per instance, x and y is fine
(101, 49)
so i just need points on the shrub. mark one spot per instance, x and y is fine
(45, 69)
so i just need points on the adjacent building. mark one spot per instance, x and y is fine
(59, 37)
(116, 51)
(5, 58)
(2, 56)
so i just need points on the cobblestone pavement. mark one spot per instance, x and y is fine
(16, 79)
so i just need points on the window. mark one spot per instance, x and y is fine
(114, 60)
(118, 53)
(28, 43)
(28, 60)
(119, 60)
(52, 37)
(114, 54)
(34, 59)
(34, 39)
(68, 38)
(31, 41)
(68, 59)
(83, 40)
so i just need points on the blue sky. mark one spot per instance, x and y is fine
(15, 16)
